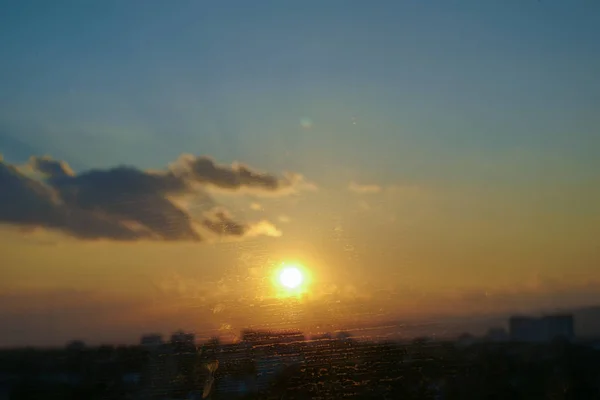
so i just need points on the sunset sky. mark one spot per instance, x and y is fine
(419, 158)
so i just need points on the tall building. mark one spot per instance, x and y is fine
(559, 326)
(159, 374)
(545, 329)
(524, 329)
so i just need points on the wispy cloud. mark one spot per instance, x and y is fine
(364, 188)
(125, 203)
(391, 189)
(284, 219)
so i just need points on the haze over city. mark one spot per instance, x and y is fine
(314, 165)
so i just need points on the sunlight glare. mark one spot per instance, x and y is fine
(291, 277)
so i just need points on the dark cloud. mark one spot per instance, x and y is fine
(51, 168)
(137, 198)
(26, 202)
(222, 224)
(237, 176)
(125, 203)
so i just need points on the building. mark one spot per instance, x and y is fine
(75, 345)
(544, 329)
(159, 373)
(151, 340)
(466, 340)
(496, 335)
(559, 326)
(182, 338)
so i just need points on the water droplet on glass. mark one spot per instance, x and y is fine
(306, 123)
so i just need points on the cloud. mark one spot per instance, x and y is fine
(50, 167)
(26, 202)
(284, 218)
(263, 228)
(125, 203)
(221, 223)
(364, 189)
(204, 170)
(256, 207)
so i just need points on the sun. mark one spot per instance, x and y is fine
(291, 277)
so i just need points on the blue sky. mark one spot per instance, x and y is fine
(99, 83)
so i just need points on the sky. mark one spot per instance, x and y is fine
(419, 159)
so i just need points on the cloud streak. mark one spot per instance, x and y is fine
(124, 203)
(363, 189)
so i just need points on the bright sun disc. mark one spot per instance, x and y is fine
(290, 277)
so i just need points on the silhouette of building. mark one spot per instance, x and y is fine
(169, 369)
(545, 329)
(496, 335)
(159, 373)
(75, 345)
(151, 340)
(466, 340)
(183, 338)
